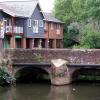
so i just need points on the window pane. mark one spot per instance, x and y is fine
(29, 22)
(35, 26)
(41, 23)
(57, 26)
(51, 25)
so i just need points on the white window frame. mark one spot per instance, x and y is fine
(7, 25)
(35, 26)
(29, 22)
(7, 22)
(58, 32)
(51, 26)
(58, 29)
(58, 26)
(40, 23)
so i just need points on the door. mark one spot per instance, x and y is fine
(18, 43)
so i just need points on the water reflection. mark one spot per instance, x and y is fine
(47, 92)
(8, 93)
(60, 93)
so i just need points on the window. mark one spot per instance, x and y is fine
(35, 26)
(35, 23)
(41, 23)
(51, 26)
(7, 25)
(7, 22)
(29, 22)
(58, 26)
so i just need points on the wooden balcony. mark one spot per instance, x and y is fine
(17, 30)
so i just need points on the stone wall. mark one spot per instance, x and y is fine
(73, 56)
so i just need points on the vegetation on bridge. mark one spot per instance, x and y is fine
(5, 77)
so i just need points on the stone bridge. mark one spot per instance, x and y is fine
(73, 60)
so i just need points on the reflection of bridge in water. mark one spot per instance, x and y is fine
(47, 92)
(37, 92)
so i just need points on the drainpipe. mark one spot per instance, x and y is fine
(12, 33)
(12, 22)
(48, 36)
(54, 35)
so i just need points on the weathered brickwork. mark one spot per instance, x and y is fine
(58, 76)
(73, 56)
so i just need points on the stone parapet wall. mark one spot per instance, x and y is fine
(73, 56)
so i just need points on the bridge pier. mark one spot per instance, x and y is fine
(60, 74)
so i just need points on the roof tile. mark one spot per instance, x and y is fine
(50, 18)
(19, 8)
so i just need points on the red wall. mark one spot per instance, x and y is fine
(52, 33)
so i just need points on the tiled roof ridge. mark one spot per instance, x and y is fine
(18, 1)
(50, 17)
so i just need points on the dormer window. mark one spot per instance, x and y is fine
(29, 22)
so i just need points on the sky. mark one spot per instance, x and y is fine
(46, 5)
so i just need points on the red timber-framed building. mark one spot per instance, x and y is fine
(54, 31)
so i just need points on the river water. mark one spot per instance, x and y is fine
(87, 91)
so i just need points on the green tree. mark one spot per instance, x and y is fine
(84, 12)
(93, 9)
(72, 36)
(63, 10)
(90, 37)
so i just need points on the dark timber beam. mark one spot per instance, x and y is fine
(49, 64)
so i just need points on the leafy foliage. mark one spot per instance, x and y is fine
(91, 39)
(93, 9)
(64, 11)
(86, 13)
(5, 77)
(72, 35)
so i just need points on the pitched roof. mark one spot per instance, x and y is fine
(50, 18)
(19, 8)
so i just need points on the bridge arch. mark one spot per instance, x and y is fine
(86, 74)
(31, 74)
